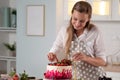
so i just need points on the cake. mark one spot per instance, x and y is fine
(59, 70)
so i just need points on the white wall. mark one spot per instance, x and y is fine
(32, 50)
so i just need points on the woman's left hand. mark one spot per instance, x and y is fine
(79, 57)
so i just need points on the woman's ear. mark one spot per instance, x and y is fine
(88, 19)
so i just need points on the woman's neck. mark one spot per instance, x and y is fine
(79, 32)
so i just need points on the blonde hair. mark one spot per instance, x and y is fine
(82, 7)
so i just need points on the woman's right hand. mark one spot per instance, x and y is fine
(52, 57)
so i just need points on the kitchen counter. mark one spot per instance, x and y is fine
(112, 68)
(113, 71)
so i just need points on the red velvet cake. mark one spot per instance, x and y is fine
(59, 70)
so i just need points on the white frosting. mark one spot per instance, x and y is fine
(59, 68)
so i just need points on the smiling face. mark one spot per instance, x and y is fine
(79, 20)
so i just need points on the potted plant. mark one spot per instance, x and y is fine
(11, 48)
(23, 76)
(13, 18)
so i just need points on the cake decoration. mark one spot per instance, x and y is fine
(59, 70)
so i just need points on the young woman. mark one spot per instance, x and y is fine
(82, 42)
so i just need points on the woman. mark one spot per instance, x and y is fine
(82, 42)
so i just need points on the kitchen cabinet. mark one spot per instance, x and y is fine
(103, 10)
(112, 71)
(7, 60)
(7, 35)
(113, 75)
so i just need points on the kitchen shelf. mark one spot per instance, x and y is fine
(6, 57)
(7, 29)
(7, 35)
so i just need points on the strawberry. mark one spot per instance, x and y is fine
(15, 77)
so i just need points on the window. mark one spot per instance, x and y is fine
(70, 5)
(101, 7)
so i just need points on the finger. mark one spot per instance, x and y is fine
(56, 58)
(50, 59)
(50, 56)
(76, 55)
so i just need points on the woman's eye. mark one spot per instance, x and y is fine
(82, 21)
(75, 19)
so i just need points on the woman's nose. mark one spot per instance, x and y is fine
(77, 23)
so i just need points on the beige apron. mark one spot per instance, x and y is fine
(82, 70)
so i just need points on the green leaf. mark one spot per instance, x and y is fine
(23, 76)
(11, 47)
